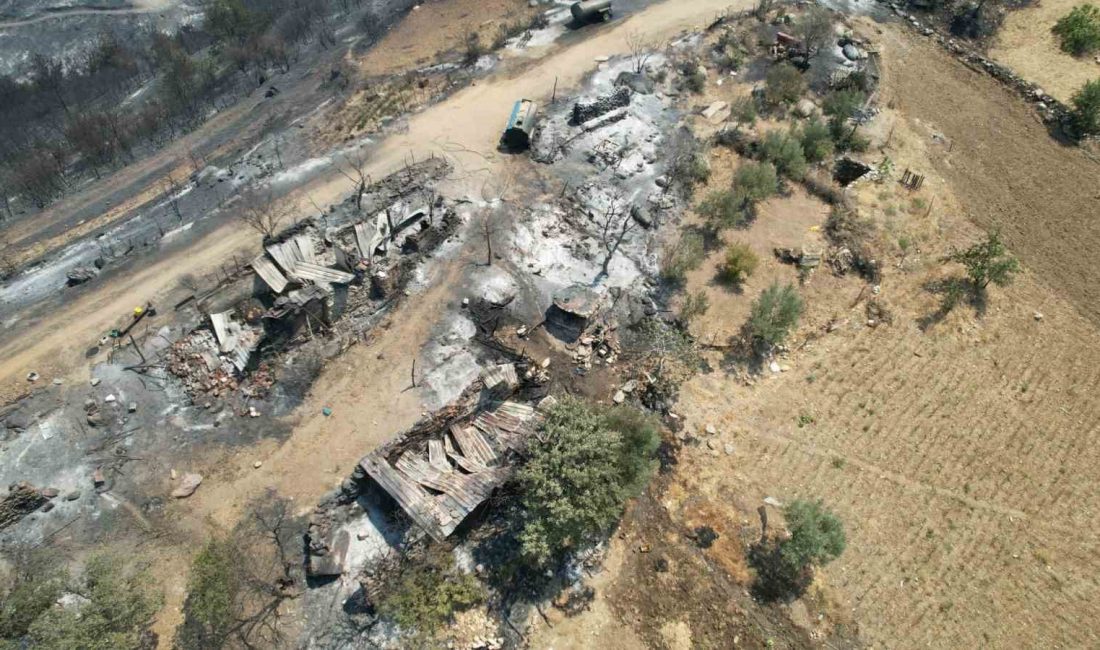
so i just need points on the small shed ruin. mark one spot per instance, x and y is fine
(439, 477)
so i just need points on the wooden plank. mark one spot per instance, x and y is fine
(267, 271)
(437, 457)
(318, 273)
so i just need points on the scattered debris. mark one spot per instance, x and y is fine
(22, 499)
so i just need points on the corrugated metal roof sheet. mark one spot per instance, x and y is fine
(318, 273)
(267, 270)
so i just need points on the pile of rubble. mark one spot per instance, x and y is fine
(196, 361)
(605, 104)
(598, 347)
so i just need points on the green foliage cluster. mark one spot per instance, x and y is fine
(752, 182)
(583, 466)
(693, 75)
(116, 606)
(988, 261)
(784, 150)
(429, 593)
(1086, 108)
(1079, 30)
(841, 105)
(817, 141)
(817, 535)
(783, 84)
(784, 568)
(36, 582)
(730, 54)
(689, 169)
(685, 255)
(694, 305)
(214, 590)
(743, 110)
(774, 313)
(740, 262)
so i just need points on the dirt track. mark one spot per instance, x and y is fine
(464, 127)
(1006, 170)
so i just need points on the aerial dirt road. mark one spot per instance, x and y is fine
(464, 127)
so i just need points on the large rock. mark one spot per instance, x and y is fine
(188, 484)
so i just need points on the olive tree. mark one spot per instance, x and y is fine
(1086, 108)
(987, 261)
(774, 314)
(785, 567)
(584, 464)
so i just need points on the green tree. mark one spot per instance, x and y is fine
(817, 142)
(740, 262)
(843, 104)
(774, 314)
(1086, 108)
(583, 466)
(783, 85)
(752, 182)
(817, 535)
(1079, 30)
(117, 605)
(785, 152)
(785, 567)
(988, 261)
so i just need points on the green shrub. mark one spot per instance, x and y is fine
(690, 169)
(685, 255)
(783, 85)
(988, 261)
(117, 609)
(743, 110)
(817, 141)
(584, 465)
(694, 305)
(428, 593)
(774, 314)
(740, 263)
(1079, 30)
(36, 582)
(817, 536)
(693, 75)
(754, 182)
(722, 209)
(1086, 108)
(214, 594)
(842, 104)
(785, 152)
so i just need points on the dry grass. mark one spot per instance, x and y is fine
(1026, 44)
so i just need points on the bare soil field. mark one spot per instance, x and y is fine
(959, 455)
(1006, 170)
(1026, 44)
